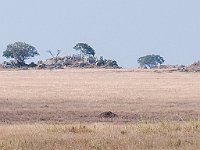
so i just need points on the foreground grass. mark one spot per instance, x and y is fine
(164, 135)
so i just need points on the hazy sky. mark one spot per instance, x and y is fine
(120, 29)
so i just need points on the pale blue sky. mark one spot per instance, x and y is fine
(120, 29)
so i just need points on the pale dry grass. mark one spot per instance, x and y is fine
(82, 94)
(31, 102)
(140, 136)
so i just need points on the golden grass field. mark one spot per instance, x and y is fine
(59, 109)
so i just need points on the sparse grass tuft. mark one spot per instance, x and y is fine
(102, 136)
(74, 129)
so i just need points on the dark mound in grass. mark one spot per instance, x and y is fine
(107, 114)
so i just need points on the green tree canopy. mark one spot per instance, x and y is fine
(151, 61)
(85, 49)
(20, 51)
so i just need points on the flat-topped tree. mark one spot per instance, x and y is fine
(85, 49)
(20, 51)
(150, 61)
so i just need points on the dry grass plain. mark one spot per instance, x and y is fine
(59, 109)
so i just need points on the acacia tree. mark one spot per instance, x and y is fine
(85, 49)
(20, 51)
(150, 61)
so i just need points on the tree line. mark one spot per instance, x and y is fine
(21, 51)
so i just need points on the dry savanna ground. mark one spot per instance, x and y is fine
(59, 109)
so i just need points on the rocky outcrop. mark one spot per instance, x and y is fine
(9, 64)
(76, 61)
(195, 67)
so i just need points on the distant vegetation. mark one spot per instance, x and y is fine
(85, 49)
(21, 51)
(150, 61)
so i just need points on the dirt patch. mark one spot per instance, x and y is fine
(108, 114)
